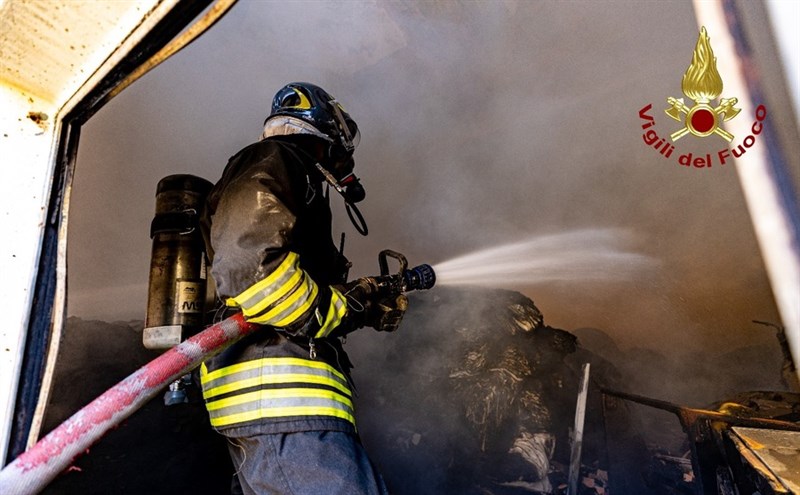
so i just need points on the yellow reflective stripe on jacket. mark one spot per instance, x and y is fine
(336, 312)
(270, 371)
(273, 363)
(305, 398)
(294, 307)
(289, 265)
(284, 286)
(260, 413)
(281, 298)
(274, 403)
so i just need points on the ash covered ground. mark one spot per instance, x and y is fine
(474, 394)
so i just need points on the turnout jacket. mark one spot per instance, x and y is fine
(267, 227)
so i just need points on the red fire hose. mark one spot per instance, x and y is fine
(35, 468)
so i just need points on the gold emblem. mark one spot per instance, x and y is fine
(702, 83)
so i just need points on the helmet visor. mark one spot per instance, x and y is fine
(356, 139)
(349, 138)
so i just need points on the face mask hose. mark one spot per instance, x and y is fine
(352, 191)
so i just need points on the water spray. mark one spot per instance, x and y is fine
(578, 256)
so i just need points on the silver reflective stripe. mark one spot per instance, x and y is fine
(270, 403)
(307, 293)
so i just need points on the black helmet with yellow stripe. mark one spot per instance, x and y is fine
(305, 108)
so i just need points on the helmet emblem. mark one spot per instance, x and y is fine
(303, 104)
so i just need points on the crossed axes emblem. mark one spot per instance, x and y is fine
(702, 119)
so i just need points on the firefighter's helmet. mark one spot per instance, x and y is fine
(304, 108)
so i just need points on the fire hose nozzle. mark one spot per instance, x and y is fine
(384, 291)
(420, 277)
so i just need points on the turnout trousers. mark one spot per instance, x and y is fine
(303, 463)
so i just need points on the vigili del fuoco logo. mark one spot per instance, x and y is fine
(703, 84)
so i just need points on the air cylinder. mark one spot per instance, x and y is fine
(177, 288)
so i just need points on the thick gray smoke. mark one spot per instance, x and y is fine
(483, 123)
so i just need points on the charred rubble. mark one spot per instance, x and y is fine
(478, 396)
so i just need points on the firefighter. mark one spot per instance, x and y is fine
(283, 396)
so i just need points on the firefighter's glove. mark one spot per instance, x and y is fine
(367, 307)
(388, 313)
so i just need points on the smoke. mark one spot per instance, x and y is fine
(106, 301)
(484, 124)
